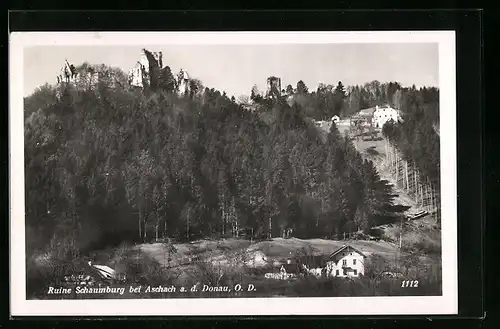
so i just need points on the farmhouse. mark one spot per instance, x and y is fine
(346, 262)
(363, 117)
(383, 114)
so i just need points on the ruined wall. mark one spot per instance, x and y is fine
(273, 87)
(183, 82)
(146, 72)
(136, 75)
(147, 69)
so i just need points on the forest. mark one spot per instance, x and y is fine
(417, 137)
(108, 165)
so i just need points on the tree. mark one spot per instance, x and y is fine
(244, 100)
(255, 94)
(339, 97)
(340, 91)
(166, 80)
(301, 87)
(289, 90)
(321, 88)
(195, 87)
(122, 164)
(43, 96)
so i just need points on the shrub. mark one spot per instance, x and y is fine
(428, 246)
(143, 269)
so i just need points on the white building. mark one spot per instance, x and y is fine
(346, 262)
(383, 114)
(336, 119)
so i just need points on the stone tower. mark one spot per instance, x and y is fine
(273, 87)
(142, 73)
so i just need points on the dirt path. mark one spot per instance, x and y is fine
(375, 151)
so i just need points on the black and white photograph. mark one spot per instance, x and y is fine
(247, 173)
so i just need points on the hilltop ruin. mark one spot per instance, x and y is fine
(145, 74)
(148, 69)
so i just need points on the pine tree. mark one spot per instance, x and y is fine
(301, 88)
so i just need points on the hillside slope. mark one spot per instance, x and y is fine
(374, 150)
(423, 233)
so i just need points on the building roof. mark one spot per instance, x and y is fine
(344, 247)
(313, 260)
(292, 268)
(366, 112)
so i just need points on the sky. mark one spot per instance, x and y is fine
(236, 68)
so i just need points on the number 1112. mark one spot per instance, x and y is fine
(409, 284)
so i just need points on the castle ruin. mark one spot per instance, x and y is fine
(183, 86)
(273, 87)
(146, 73)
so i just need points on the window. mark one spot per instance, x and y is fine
(337, 273)
(355, 272)
(353, 262)
(344, 262)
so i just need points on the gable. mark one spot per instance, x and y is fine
(345, 251)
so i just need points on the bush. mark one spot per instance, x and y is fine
(143, 269)
(428, 246)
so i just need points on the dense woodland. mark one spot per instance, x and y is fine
(417, 138)
(117, 164)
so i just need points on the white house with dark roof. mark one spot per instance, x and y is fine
(382, 114)
(346, 261)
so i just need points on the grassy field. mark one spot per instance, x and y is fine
(231, 262)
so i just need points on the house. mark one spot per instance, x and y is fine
(383, 114)
(90, 274)
(288, 270)
(346, 262)
(363, 117)
(336, 119)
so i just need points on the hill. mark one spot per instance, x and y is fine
(116, 166)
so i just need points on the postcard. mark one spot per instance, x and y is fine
(233, 173)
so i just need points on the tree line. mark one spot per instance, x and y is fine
(417, 136)
(108, 165)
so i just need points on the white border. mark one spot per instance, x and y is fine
(445, 304)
